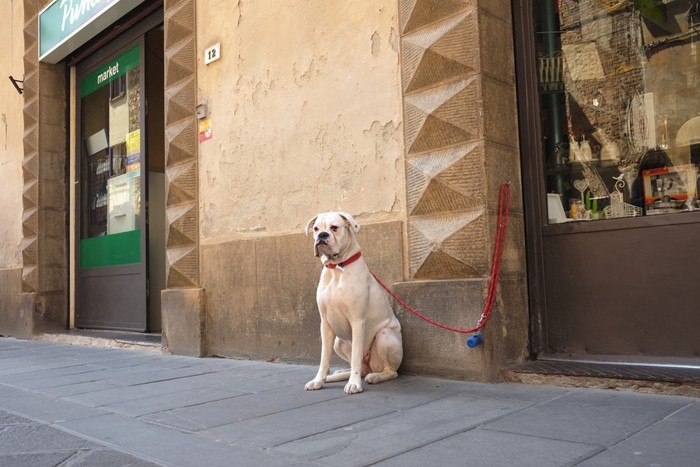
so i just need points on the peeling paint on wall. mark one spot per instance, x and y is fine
(308, 116)
(376, 43)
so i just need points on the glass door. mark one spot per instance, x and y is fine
(112, 282)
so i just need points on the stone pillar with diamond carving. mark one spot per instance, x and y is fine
(44, 283)
(183, 304)
(461, 144)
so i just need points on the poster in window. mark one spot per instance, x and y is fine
(133, 151)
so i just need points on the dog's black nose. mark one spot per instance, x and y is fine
(323, 235)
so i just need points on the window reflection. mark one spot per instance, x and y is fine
(620, 102)
(111, 158)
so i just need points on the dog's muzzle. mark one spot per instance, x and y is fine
(321, 239)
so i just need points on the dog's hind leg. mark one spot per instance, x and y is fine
(385, 356)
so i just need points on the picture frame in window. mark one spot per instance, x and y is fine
(667, 189)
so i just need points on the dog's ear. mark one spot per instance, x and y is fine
(354, 226)
(310, 224)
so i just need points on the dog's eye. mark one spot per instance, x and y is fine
(334, 228)
(315, 229)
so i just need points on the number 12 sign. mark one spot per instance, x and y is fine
(212, 54)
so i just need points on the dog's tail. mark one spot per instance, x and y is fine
(340, 375)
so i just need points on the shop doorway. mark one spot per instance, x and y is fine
(609, 137)
(120, 217)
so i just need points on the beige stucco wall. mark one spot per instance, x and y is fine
(307, 81)
(11, 130)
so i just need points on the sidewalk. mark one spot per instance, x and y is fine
(73, 405)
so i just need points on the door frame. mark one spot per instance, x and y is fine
(90, 57)
(532, 167)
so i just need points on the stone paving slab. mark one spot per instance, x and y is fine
(383, 437)
(75, 389)
(170, 447)
(297, 423)
(600, 417)
(244, 407)
(40, 407)
(24, 442)
(156, 404)
(672, 441)
(491, 448)
(116, 394)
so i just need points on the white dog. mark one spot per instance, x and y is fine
(356, 318)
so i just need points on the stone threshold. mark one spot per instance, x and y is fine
(650, 378)
(147, 342)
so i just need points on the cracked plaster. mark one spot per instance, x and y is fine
(305, 105)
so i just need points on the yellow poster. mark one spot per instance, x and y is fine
(133, 142)
(133, 150)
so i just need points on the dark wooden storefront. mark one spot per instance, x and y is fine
(622, 290)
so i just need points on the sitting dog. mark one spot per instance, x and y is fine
(356, 318)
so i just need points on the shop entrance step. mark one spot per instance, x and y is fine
(149, 342)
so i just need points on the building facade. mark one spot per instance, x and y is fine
(163, 159)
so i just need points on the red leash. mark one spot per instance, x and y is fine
(503, 209)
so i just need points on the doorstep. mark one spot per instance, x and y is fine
(148, 342)
(661, 379)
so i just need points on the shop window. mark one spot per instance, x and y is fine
(619, 84)
(110, 123)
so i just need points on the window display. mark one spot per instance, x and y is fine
(619, 85)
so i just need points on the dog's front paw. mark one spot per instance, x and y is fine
(314, 384)
(353, 387)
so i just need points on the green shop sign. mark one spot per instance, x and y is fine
(111, 71)
(65, 25)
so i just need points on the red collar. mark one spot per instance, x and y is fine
(347, 262)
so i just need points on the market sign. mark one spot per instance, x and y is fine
(111, 71)
(65, 25)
